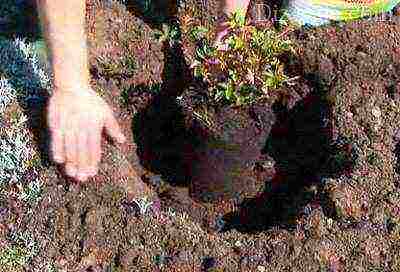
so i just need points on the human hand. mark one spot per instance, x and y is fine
(76, 119)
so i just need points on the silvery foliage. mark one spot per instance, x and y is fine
(23, 76)
(25, 71)
(45, 266)
(143, 204)
(50, 268)
(32, 192)
(7, 94)
(15, 154)
(28, 242)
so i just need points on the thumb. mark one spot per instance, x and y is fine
(113, 129)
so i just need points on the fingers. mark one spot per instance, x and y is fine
(89, 146)
(83, 153)
(83, 156)
(57, 146)
(94, 145)
(89, 152)
(76, 130)
(113, 129)
(71, 154)
(57, 143)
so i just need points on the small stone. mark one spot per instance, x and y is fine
(238, 244)
(96, 268)
(349, 114)
(396, 135)
(261, 268)
(348, 202)
(362, 55)
(376, 127)
(329, 223)
(183, 256)
(3, 213)
(376, 112)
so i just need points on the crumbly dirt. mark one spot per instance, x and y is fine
(326, 182)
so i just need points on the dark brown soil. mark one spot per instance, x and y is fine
(316, 185)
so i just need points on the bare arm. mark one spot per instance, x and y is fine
(232, 5)
(64, 28)
(228, 7)
(76, 114)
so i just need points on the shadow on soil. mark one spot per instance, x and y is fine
(160, 131)
(153, 12)
(304, 155)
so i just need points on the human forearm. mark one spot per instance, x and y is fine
(63, 23)
(232, 5)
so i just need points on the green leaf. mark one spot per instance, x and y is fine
(198, 71)
(229, 92)
(237, 18)
(260, 56)
(219, 94)
(233, 75)
(197, 33)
